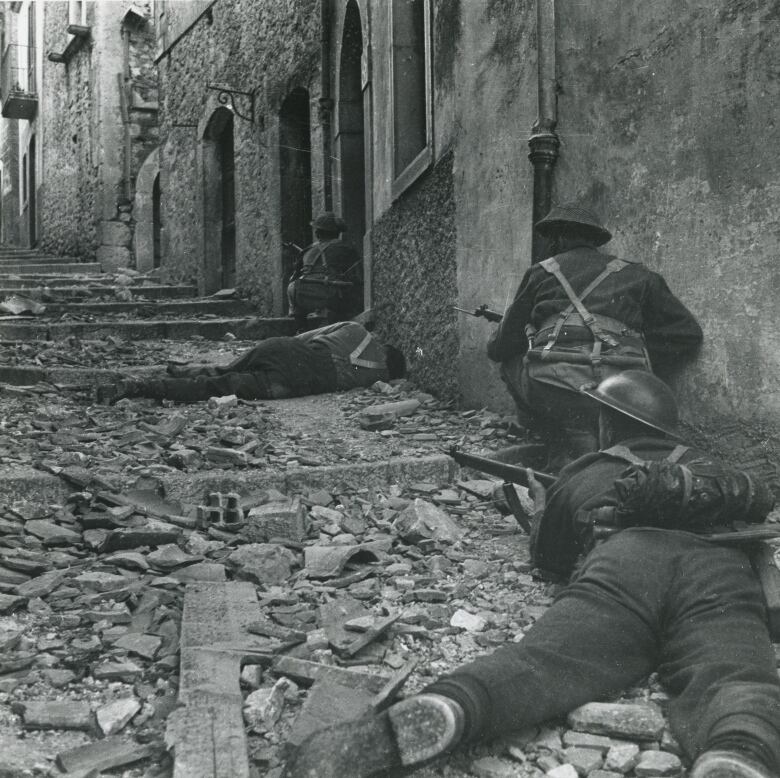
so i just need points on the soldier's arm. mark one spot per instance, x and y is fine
(670, 329)
(509, 340)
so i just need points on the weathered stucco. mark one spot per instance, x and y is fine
(414, 278)
(667, 127)
(267, 48)
(68, 133)
(97, 122)
(668, 120)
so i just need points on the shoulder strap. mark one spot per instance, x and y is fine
(624, 453)
(551, 266)
(677, 453)
(319, 259)
(354, 357)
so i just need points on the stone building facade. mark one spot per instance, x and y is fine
(412, 119)
(94, 128)
(9, 153)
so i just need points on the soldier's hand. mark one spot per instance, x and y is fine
(537, 491)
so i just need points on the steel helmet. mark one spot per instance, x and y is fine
(329, 222)
(576, 215)
(640, 395)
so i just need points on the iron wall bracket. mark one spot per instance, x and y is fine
(228, 95)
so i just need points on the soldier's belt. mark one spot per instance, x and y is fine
(580, 358)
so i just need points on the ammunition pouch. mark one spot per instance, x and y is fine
(314, 292)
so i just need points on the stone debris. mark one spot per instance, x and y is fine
(640, 721)
(423, 520)
(367, 589)
(56, 714)
(115, 716)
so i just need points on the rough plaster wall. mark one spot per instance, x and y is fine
(668, 123)
(495, 87)
(271, 47)
(414, 277)
(9, 153)
(142, 98)
(69, 174)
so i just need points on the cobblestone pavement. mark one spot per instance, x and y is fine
(91, 587)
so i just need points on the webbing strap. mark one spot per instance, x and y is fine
(551, 266)
(354, 357)
(624, 453)
(677, 453)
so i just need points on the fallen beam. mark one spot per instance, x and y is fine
(207, 733)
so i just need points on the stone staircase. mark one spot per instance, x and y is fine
(82, 304)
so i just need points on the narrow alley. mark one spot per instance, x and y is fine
(487, 486)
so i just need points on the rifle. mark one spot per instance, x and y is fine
(510, 473)
(483, 311)
(513, 473)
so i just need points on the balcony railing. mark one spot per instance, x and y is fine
(18, 88)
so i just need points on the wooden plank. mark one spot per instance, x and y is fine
(207, 734)
(369, 636)
(305, 673)
(326, 704)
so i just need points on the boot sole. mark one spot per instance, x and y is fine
(424, 727)
(725, 764)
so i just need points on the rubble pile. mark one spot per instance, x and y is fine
(364, 592)
(43, 426)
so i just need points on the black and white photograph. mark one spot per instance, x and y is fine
(389, 388)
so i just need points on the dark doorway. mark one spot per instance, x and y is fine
(350, 140)
(219, 202)
(31, 190)
(156, 221)
(295, 179)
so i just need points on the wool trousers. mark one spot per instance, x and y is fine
(645, 600)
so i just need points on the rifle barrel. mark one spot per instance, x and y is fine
(511, 473)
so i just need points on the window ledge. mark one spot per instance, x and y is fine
(412, 172)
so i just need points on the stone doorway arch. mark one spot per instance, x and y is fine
(294, 179)
(147, 215)
(219, 202)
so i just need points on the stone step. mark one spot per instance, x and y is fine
(23, 253)
(23, 375)
(18, 482)
(245, 328)
(156, 309)
(78, 289)
(41, 269)
(8, 259)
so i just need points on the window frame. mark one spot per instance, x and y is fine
(403, 179)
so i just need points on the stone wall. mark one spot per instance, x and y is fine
(9, 157)
(268, 48)
(69, 175)
(414, 280)
(668, 120)
(664, 113)
(99, 117)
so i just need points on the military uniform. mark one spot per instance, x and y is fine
(550, 347)
(334, 260)
(644, 600)
(339, 356)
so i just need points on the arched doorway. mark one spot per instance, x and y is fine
(295, 178)
(147, 213)
(219, 203)
(156, 223)
(350, 142)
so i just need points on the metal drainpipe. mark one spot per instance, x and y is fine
(326, 103)
(544, 142)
